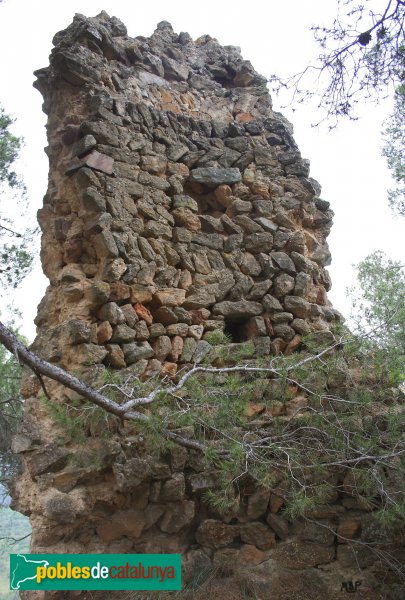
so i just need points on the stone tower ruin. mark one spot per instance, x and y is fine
(178, 205)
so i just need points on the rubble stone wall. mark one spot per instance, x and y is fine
(178, 204)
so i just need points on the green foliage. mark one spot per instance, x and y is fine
(225, 350)
(16, 258)
(361, 59)
(79, 419)
(263, 476)
(361, 56)
(211, 456)
(17, 261)
(299, 504)
(11, 408)
(111, 377)
(394, 151)
(152, 431)
(10, 146)
(88, 457)
(217, 337)
(223, 501)
(10, 399)
(300, 456)
(243, 351)
(67, 418)
(339, 432)
(379, 314)
(14, 539)
(390, 519)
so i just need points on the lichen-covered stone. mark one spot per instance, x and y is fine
(215, 534)
(243, 308)
(299, 307)
(213, 177)
(173, 489)
(60, 507)
(301, 555)
(258, 534)
(136, 351)
(177, 516)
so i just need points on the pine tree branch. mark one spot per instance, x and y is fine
(11, 231)
(43, 368)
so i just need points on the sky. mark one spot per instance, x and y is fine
(276, 38)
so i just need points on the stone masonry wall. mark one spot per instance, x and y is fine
(178, 204)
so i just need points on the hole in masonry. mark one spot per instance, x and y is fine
(236, 330)
(207, 202)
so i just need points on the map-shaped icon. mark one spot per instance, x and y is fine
(24, 570)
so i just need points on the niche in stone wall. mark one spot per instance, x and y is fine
(236, 330)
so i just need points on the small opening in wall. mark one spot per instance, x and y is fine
(208, 203)
(224, 80)
(236, 330)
